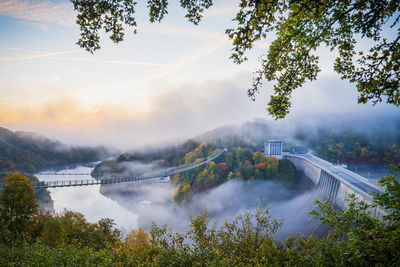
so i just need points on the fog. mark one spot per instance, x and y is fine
(87, 199)
(152, 203)
(184, 111)
(139, 204)
(379, 125)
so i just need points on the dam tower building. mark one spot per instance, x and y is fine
(273, 148)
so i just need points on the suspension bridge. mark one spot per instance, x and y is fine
(162, 175)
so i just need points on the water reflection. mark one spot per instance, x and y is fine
(87, 199)
(133, 205)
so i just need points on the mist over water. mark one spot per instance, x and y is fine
(87, 199)
(152, 203)
(138, 204)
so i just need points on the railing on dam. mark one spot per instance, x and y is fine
(336, 182)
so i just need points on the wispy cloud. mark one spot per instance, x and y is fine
(10, 48)
(62, 110)
(26, 57)
(112, 62)
(197, 55)
(171, 114)
(64, 14)
(223, 8)
(42, 10)
(127, 62)
(185, 61)
(187, 31)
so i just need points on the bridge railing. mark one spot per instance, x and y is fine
(83, 182)
(210, 158)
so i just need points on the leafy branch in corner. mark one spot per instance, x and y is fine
(298, 29)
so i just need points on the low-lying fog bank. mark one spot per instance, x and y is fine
(152, 202)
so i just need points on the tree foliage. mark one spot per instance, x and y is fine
(238, 162)
(111, 16)
(356, 239)
(352, 146)
(368, 240)
(299, 28)
(303, 26)
(138, 238)
(241, 161)
(390, 198)
(30, 152)
(18, 203)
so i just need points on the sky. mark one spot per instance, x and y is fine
(171, 80)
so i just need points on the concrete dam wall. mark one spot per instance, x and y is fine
(336, 182)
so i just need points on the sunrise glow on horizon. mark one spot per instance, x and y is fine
(171, 77)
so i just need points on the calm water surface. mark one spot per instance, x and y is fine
(87, 199)
(132, 205)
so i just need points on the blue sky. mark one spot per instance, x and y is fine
(169, 81)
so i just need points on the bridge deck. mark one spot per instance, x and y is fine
(148, 176)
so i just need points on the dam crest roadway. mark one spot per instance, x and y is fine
(336, 182)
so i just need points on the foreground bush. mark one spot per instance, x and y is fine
(356, 239)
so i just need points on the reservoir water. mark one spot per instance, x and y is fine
(87, 199)
(371, 171)
(133, 205)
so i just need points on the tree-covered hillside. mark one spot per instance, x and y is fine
(352, 146)
(344, 139)
(244, 163)
(243, 160)
(29, 152)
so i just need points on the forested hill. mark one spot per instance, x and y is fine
(343, 139)
(30, 152)
(244, 160)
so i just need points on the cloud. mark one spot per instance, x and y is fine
(189, 59)
(14, 58)
(127, 62)
(223, 8)
(10, 48)
(171, 115)
(63, 13)
(43, 11)
(64, 110)
(186, 32)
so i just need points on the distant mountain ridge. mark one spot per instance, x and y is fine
(31, 152)
(344, 139)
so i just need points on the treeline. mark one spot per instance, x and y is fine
(28, 152)
(344, 139)
(349, 146)
(236, 163)
(243, 160)
(170, 156)
(165, 157)
(28, 238)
